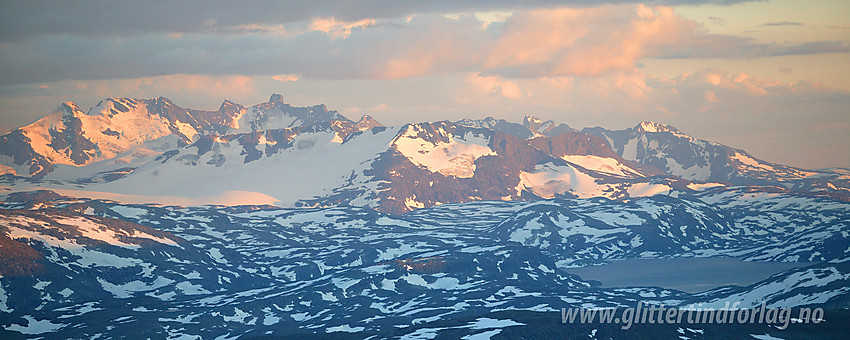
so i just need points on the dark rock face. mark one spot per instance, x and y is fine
(205, 122)
(72, 141)
(574, 143)
(683, 150)
(258, 144)
(69, 138)
(17, 258)
(17, 146)
(110, 132)
(496, 177)
(345, 128)
(33, 197)
(106, 176)
(547, 128)
(249, 143)
(655, 152)
(665, 148)
(398, 185)
(501, 125)
(276, 110)
(218, 122)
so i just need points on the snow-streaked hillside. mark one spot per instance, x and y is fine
(68, 136)
(671, 151)
(262, 270)
(152, 150)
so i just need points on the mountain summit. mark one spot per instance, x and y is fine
(313, 156)
(116, 126)
(277, 220)
(547, 128)
(649, 126)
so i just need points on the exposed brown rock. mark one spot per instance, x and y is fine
(17, 258)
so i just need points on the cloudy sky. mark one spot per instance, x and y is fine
(771, 77)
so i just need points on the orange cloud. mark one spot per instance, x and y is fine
(550, 43)
(338, 29)
(233, 85)
(286, 77)
(495, 86)
(583, 41)
(194, 87)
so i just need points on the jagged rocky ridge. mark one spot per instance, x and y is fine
(669, 150)
(154, 148)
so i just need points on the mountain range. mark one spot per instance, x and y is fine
(152, 150)
(143, 219)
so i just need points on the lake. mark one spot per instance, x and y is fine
(695, 274)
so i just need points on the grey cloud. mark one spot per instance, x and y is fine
(717, 21)
(312, 54)
(782, 23)
(428, 44)
(23, 19)
(723, 46)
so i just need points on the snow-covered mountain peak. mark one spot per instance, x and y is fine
(548, 128)
(488, 122)
(276, 114)
(529, 120)
(227, 104)
(442, 148)
(114, 105)
(501, 125)
(164, 100)
(650, 126)
(366, 122)
(536, 124)
(69, 109)
(401, 169)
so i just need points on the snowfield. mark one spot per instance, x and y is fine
(243, 271)
(157, 221)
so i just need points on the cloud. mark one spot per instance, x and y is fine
(796, 123)
(717, 21)
(339, 29)
(412, 61)
(201, 89)
(785, 70)
(384, 51)
(550, 42)
(777, 120)
(730, 95)
(721, 46)
(194, 84)
(782, 23)
(24, 19)
(286, 77)
(710, 97)
(585, 42)
(495, 86)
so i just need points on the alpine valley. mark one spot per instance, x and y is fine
(143, 219)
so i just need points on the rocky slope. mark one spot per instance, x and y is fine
(155, 151)
(669, 150)
(105, 269)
